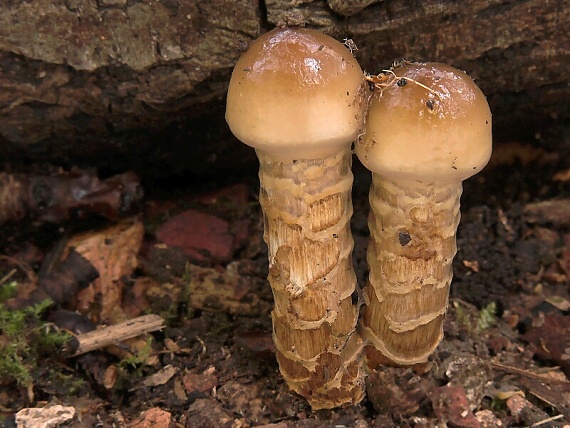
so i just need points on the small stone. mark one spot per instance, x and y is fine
(450, 403)
(44, 417)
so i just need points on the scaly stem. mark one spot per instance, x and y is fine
(307, 208)
(410, 255)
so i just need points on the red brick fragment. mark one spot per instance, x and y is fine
(202, 236)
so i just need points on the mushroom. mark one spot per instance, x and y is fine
(427, 130)
(297, 96)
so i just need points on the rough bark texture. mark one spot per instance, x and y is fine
(307, 207)
(145, 80)
(410, 254)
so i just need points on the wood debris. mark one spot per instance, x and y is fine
(55, 198)
(105, 336)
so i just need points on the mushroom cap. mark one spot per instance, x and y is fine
(296, 94)
(432, 136)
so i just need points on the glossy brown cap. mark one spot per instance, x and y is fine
(434, 135)
(296, 94)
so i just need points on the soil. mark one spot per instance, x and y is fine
(504, 360)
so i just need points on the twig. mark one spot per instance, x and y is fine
(515, 370)
(105, 336)
(544, 421)
(6, 277)
(32, 277)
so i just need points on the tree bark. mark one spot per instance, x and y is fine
(141, 84)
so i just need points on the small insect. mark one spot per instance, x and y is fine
(399, 63)
(349, 43)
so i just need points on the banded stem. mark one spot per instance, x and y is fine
(411, 250)
(307, 208)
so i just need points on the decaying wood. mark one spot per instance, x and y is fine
(55, 198)
(113, 251)
(105, 336)
(61, 283)
(82, 79)
(307, 208)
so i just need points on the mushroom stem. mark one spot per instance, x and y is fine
(412, 245)
(307, 208)
(298, 97)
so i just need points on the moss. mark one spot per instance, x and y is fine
(24, 339)
(476, 323)
(134, 364)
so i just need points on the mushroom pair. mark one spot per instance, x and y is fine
(300, 99)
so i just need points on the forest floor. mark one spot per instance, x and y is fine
(198, 260)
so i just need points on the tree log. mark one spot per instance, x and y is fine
(141, 84)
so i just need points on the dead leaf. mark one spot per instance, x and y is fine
(153, 418)
(179, 390)
(171, 345)
(135, 302)
(161, 377)
(204, 382)
(555, 394)
(110, 376)
(257, 342)
(113, 252)
(551, 339)
(207, 412)
(559, 302)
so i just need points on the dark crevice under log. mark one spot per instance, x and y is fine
(141, 85)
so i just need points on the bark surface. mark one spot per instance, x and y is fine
(145, 80)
